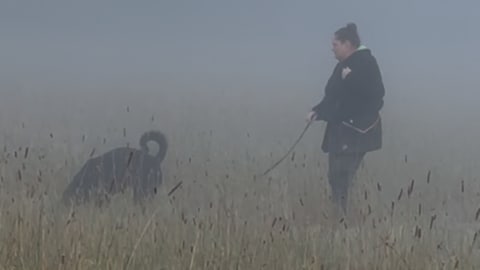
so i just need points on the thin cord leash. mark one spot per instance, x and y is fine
(290, 150)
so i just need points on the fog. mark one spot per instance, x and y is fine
(234, 68)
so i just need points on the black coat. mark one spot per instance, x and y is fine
(351, 105)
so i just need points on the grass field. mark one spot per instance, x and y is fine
(409, 212)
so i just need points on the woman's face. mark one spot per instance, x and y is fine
(340, 49)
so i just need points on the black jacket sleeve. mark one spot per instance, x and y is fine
(325, 110)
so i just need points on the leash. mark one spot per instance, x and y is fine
(289, 150)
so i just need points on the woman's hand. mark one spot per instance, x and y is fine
(311, 116)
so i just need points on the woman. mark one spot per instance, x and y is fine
(350, 106)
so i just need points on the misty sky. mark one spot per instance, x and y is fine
(426, 50)
(282, 41)
(234, 56)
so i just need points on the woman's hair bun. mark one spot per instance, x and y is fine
(348, 32)
(352, 27)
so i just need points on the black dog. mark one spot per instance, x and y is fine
(117, 170)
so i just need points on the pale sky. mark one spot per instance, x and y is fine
(282, 40)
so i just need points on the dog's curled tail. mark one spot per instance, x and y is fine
(159, 138)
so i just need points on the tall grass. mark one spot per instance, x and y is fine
(414, 204)
(223, 217)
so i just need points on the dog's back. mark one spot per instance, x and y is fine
(119, 169)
